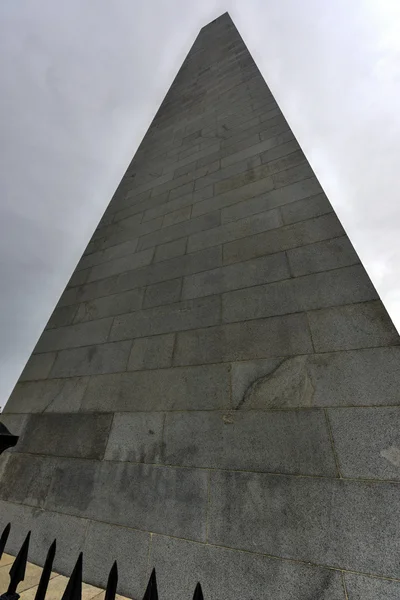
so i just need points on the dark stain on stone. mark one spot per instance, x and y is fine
(92, 352)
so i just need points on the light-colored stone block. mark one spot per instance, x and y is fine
(368, 377)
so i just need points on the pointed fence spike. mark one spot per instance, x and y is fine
(46, 573)
(4, 538)
(198, 593)
(112, 582)
(17, 571)
(151, 592)
(73, 591)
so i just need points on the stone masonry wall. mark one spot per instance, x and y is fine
(217, 390)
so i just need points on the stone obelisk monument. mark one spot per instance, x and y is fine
(217, 391)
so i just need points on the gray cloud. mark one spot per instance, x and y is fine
(81, 82)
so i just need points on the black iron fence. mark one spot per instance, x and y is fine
(73, 590)
(7, 439)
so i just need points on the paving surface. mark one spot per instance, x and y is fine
(27, 589)
(217, 391)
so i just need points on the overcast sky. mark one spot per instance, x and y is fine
(81, 80)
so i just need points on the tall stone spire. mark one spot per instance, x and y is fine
(217, 391)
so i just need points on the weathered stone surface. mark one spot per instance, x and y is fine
(331, 288)
(92, 360)
(80, 435)
(273, 199)
(360, 587)
(199, 312)
(38, 367)
(367, 377)
(226, 337)
(163, 293)
(153, 352)
(354, 326)
(299, 173)
(45, 526)
(149, 498)
(119, 250)
(56, 395)
(68, 297)
(279, 442)
(100, 549)
(235, 231)
(73, 336)
(168, 269)
(177, 216)
(322, 256)
(243, 193)
(260, 172)
(193, 388)
(230, 170)
(277, 336)
(174, 232)
(225, 574)
(236, 276)
(308, 208)
(26, 479)
(78, 278)
(367, 441)
(15, 424)
(119, 265)
(271, 148)
(136, 437)
(125, 231)
(345, 524)
(170, 250)
(64, 315)
(284, 148)
(116, 304)
(283, 238)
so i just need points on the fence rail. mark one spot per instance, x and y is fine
(73, 591)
